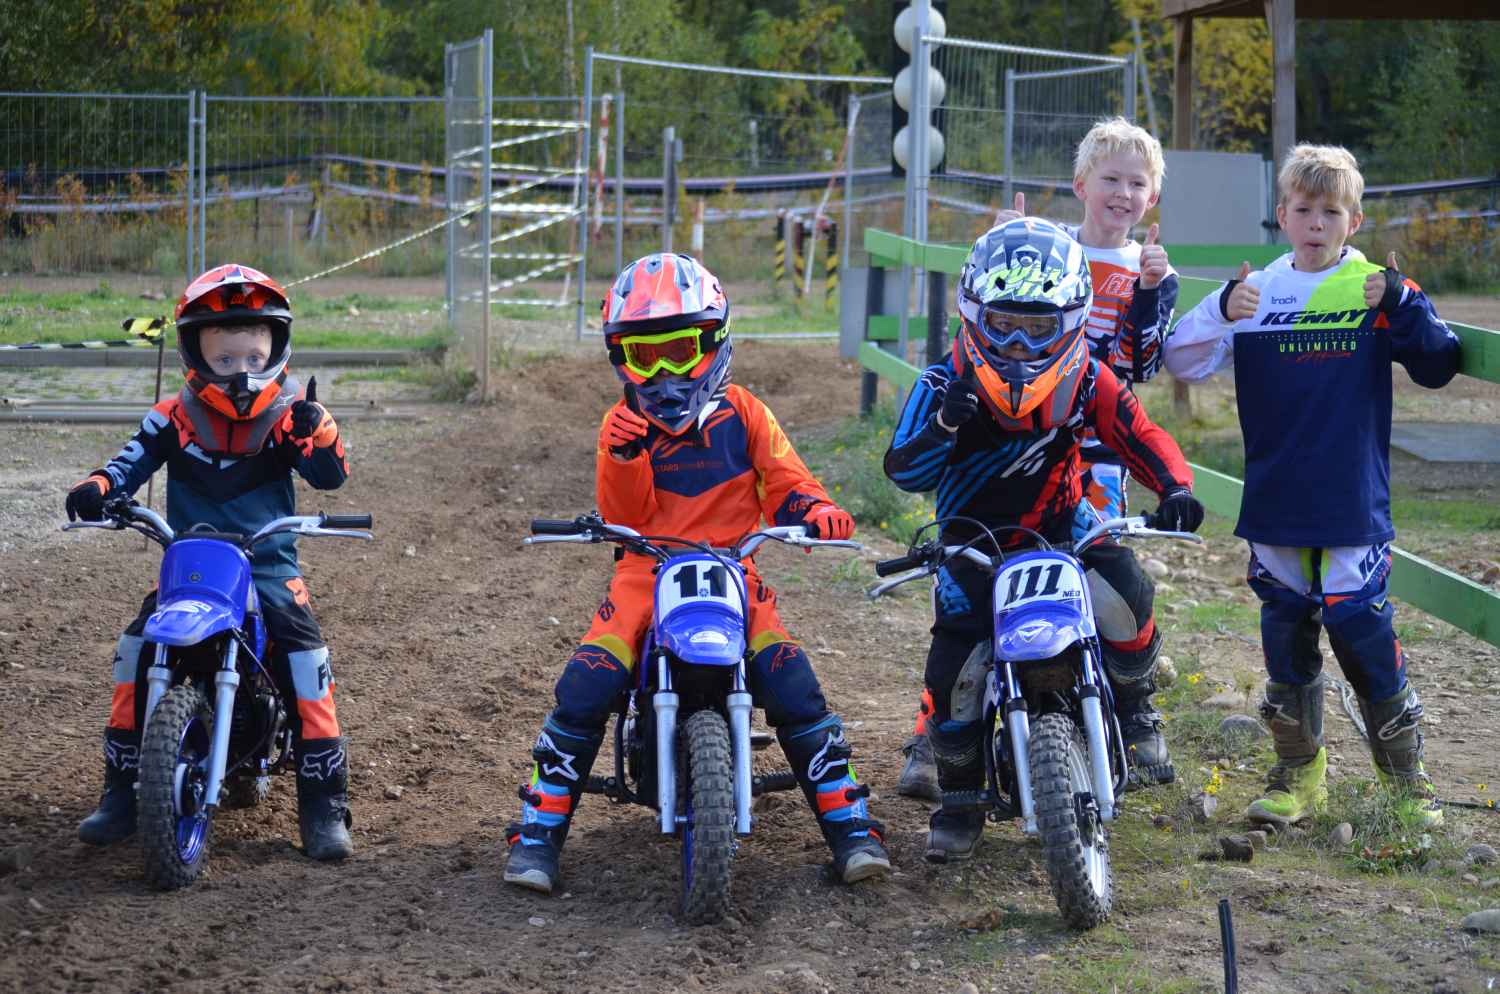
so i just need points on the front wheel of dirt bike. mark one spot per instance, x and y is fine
(1074, 839)
(708, 835)
(174, 824)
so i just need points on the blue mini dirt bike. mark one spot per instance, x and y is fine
(1054, 755)
(210, 641)
(682, 735)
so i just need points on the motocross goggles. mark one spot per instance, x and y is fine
(1036, 331)
(678, 352)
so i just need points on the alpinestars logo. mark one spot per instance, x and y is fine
(822, 762)
(563, 760)
(322, 765)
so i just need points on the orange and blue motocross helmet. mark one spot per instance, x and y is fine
(666, 326)
(224, 297)
(1023, 297)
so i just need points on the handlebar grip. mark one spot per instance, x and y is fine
(552, 526)
(348, 520)
(888, 566)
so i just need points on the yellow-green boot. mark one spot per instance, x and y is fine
(1296, 787)
(1293, 792)
(1394, 729)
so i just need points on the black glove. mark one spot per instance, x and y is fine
(1391, 299)
(1180, 511)
(86, 499)
(960, 403)
(307, 413)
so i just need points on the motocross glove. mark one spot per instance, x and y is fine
(960, 403)
(623, 432)
(311, 419)
(86, 499)
(828, 521)
(1179, 511)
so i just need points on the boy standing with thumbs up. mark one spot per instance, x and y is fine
(231, 442)
(1312, 338)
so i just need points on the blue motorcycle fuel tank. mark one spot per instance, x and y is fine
(205, 585)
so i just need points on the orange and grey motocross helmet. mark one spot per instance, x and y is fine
(1023, 296)
(226, 296)
(666, 326)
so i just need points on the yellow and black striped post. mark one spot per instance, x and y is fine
(830, 263)
(778, 261)
(799, 253)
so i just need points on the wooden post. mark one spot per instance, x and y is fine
(1281, 19)
(1182, 138)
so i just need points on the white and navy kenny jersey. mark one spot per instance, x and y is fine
(1312, 370)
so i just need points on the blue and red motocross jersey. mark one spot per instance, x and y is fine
(239, 493)
(1026, 478)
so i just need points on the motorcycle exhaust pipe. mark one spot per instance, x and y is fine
(226, 682)
(739, 740)
(1093, 727)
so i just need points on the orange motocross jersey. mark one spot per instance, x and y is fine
(713, 484)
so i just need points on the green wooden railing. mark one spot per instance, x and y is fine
(1425, 585)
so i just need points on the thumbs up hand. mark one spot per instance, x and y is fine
(1018, 211)
(1240, 300)
(311, 419)
(1383, 289)
(1154, 266)
(960, 403)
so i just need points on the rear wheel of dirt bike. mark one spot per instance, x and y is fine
(174, 824)
(1074, 839)
(708, 836)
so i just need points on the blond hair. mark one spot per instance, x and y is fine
(1321, 171)
(1115, 135)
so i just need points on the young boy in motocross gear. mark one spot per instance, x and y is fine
(1312, 338)
(231, 440)
(995, 430)
(1117, 174)
(689, 454)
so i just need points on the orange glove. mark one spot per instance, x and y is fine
(828, 521)
(623, 432)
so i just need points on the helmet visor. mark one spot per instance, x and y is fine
(1031, 330)
(676, 352)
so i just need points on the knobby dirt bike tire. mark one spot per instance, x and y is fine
(165, 867)
(706, 870)
(1059, 758)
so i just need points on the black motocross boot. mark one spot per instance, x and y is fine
(562, 758)
(955, 835)
(819, 755)
(323, 799)
(1141, 727)
(114, 820)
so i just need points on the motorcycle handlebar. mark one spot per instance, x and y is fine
(552, 526)
(888, 566)
(348, 521)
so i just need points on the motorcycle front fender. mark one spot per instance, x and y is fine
(188, 621)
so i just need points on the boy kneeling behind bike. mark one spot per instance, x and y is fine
(995, 430)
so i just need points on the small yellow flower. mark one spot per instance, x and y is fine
(1482, 786)
(1194, 678)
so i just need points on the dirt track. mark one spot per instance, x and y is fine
(446, 638)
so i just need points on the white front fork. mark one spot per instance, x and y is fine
(665, 701)
(1093, 727)
(739, 742)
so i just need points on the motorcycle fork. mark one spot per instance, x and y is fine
(158, 682)
(1090, 701)
(1018, 727)
(664, 701)
(226, 682)
(739, 743)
